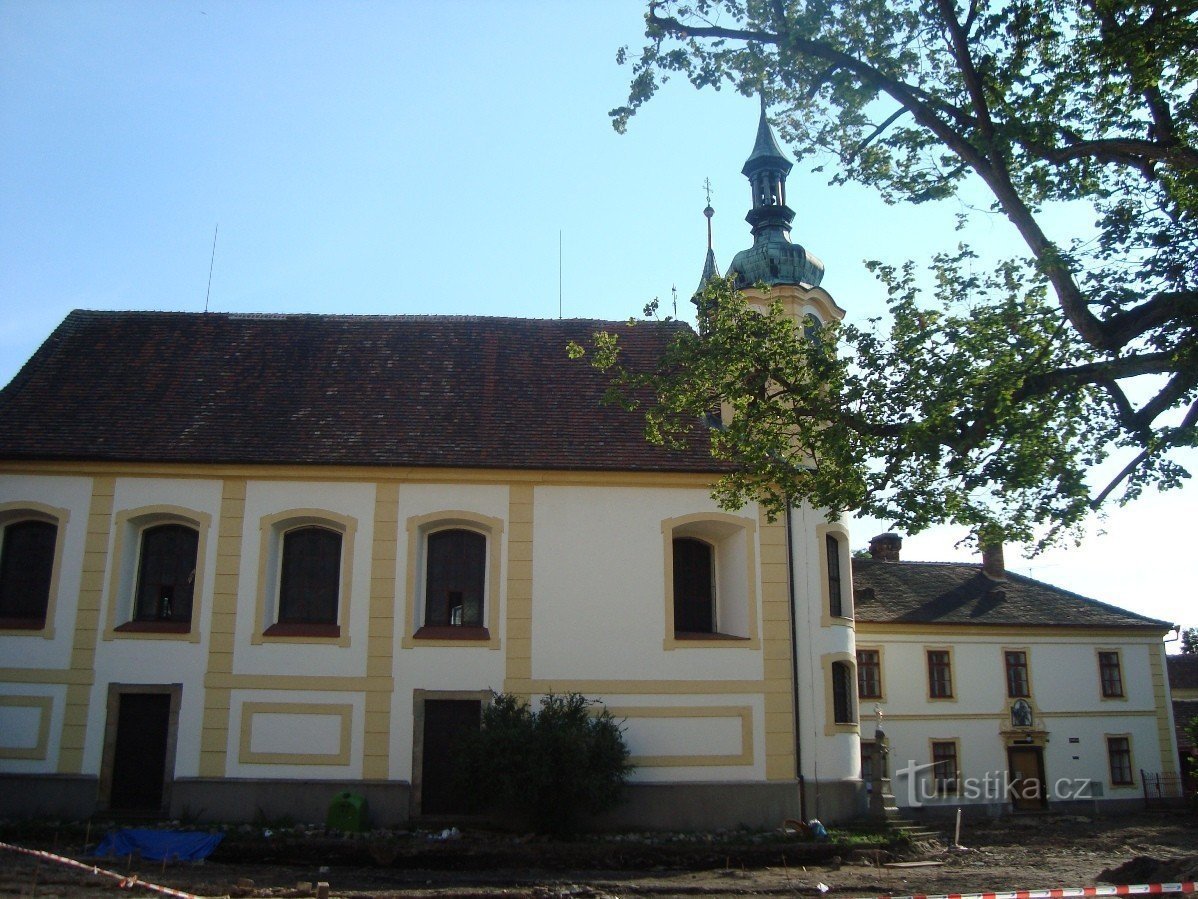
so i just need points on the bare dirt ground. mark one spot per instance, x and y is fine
(1011, 853)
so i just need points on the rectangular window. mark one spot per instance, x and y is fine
(869, 674)
(1118, 750)
(940, 674)
(1017, 680)
(944, 767)
(842, 696)
(835, 599)
(1110, 675)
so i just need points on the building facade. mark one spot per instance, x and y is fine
(1000, 692)
(248, 562)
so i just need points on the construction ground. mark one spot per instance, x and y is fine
(1023, 852)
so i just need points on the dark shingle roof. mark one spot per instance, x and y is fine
(958, 593)
(331, 389)
(1183, 671)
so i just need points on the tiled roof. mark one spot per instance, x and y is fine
(958, 593)
(1183, 671)
(332, 389)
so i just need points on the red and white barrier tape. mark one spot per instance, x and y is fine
(1136, 889)
(126, 881)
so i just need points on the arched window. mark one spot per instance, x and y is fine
(694, 586)
(310, 576)
(26, 570)
(166, 573)
(455, 578)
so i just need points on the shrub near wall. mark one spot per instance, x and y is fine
(548, 768)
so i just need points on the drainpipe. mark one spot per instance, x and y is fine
(794, 661)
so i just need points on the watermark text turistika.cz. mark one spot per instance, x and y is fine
(924, 782)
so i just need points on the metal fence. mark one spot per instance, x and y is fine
(1162, 789)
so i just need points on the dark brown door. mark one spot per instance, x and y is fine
(139, 759)
(1026, 766)
(445, 722)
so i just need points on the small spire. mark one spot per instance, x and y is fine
(710, 269)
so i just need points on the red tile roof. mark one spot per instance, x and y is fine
(332, 389)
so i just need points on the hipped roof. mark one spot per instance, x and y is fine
(953, 593)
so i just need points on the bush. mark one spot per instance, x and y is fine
(548, 767)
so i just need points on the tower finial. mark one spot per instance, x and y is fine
(710, 269)
(708, 211)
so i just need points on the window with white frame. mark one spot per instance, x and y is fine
(166, 573)
(710, 580)
(305, 575)
(455, 578)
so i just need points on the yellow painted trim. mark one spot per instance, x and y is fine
(880, 699)
(129, 526)
(717, 529)
(742, 712)
(1166, 735)
(793, 298)
(87, 626)
(952, 674)
(380, 648)
(832, 727)
(1131, 752)
(826, 619)
(299, 682)
(1003, 716)
(272, 529)
(518, 655)
(418, 528)
(44, 705)
(596, 689)
(1015, 632)
(781, 763)
(369, 474)
(22, 510)
(344, 712)
(46, 676)
(215, 724)
(1118, 651)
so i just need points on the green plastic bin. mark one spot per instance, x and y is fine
(347, 812)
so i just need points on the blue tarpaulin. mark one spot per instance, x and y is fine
(173, 845)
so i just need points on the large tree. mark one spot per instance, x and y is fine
(987, 402)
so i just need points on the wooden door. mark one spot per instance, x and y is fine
(1026, 767)
(139, 756)
(445, 721)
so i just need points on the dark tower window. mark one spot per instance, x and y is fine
(454, 578)
(166, 573)
(842, 693)
(835, 598)
(694, 586)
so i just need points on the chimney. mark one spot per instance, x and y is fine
(993, 565)
(886, 547)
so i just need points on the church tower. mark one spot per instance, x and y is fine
(790, 271)
(827, 719)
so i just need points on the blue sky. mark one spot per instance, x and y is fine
(405, 157)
